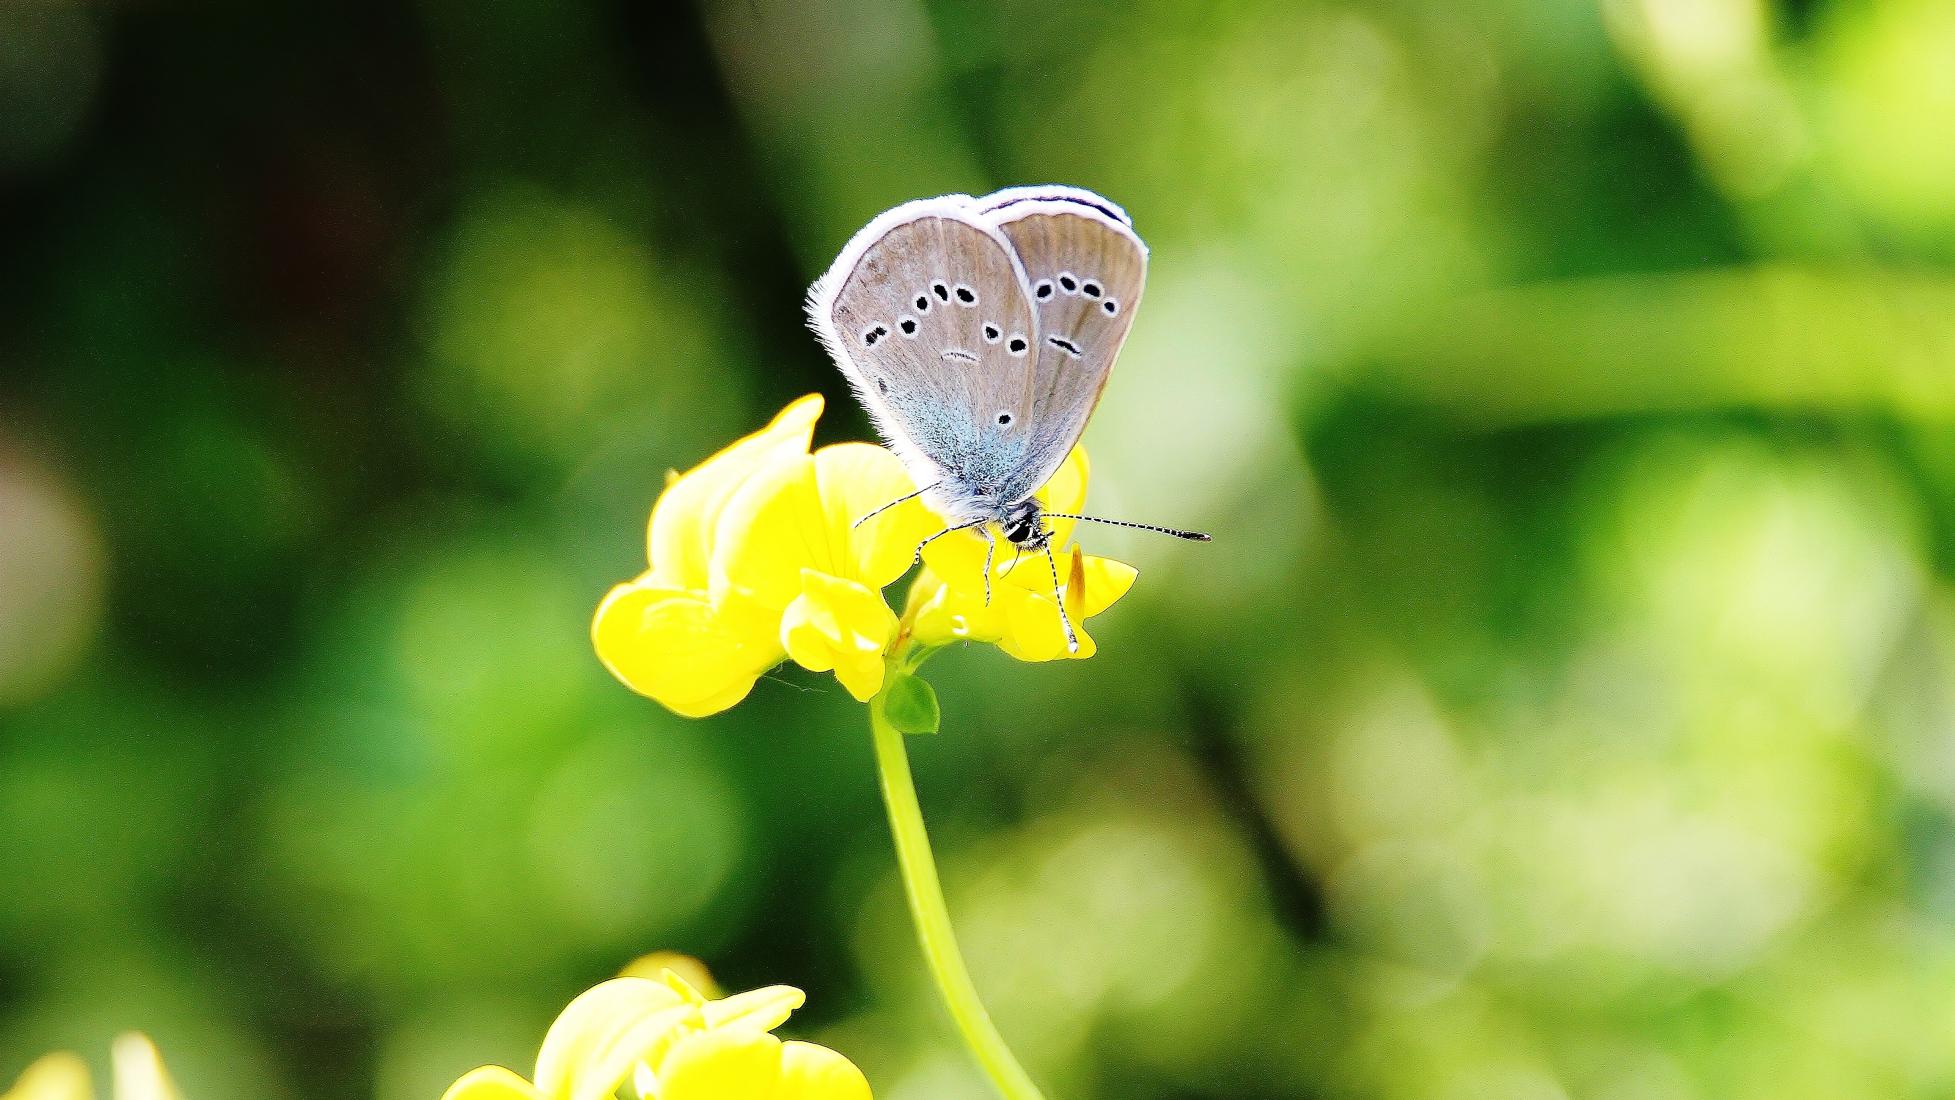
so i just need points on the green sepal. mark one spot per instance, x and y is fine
(910, 704)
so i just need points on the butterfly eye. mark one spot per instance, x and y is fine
(1091, 290)
(1017, 345)
(1043, 290)
(940, 290)
(1067, 283)
(1112, 307)
(966, 295)
(908, 325)
(991, 334)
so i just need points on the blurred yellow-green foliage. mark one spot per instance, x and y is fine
(1565, 709)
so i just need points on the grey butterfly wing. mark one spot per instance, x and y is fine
(927, 314)
(1085, 268)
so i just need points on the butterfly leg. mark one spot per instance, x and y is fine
(1059, 597)
(960, 527)
(990, 548)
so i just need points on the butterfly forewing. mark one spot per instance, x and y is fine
(1085, 270)
(927, 313)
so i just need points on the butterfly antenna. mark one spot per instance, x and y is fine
(1191, 536)
(894, 503)
(1059, 597)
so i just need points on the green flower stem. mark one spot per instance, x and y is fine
(927, 910)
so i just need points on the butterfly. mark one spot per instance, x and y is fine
(979, 334)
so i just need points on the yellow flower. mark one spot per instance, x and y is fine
(947, 603)
(139, 1075)
(672, 1043)
(755, 558)
(662, 635)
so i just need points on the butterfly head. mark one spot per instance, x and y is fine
(1024, 525)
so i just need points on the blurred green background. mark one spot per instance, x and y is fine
(1564, 711)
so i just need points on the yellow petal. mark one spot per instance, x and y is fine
(58, 1076)
(1033, 631)
(592, 1026)
(755, 1010)
(676, 648)
(861, 676)
(722, 1064)
(810, 1072)
(770, 531)
(139, 1072)
(855, 479)
(491, 1083)
(841, 625)
(1106, 580)
(925, 590)
(931, 619)
(940, 614)
(685, 515)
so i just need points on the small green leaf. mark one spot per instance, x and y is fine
(911, 705)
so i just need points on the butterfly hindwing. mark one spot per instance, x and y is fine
(927, 313)
(1084, 269)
